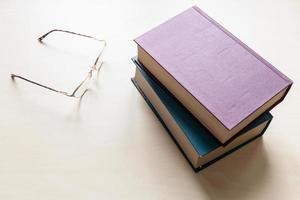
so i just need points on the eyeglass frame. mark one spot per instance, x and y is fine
(98, 61)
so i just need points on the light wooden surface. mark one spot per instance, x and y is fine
(111, 146)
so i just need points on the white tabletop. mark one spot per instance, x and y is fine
(111, 146)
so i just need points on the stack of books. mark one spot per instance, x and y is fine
(211, 91)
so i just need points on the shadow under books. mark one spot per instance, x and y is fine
(239, 175)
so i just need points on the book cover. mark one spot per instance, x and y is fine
(229, 85)
(200, 138)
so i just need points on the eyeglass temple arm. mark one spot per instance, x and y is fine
(70, 32)
(78, 34)
(13, 76)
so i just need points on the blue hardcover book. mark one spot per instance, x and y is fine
(197, 144)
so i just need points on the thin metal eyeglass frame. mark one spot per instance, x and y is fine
(98, 62)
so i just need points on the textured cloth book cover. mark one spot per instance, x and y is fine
(228, 78)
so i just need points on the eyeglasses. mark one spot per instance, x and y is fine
(82, 87)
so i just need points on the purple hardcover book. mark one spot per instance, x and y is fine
(220, 80)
